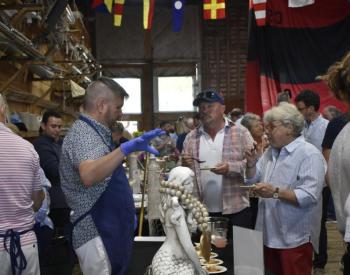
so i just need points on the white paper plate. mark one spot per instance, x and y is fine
(221, 269)
(138, 197)
(212, 255)
(215, 261)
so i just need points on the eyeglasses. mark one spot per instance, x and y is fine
(272, 126)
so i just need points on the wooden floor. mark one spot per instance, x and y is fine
(335, 251)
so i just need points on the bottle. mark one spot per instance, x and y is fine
(134, 173)
(153, 182)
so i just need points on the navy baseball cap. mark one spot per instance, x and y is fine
(208, 96)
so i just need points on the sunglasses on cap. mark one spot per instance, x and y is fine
(208, 96)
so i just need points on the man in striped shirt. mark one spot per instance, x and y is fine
(20, 195)
(222, 145)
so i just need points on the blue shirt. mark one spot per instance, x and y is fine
(314, 132)
(298, 166)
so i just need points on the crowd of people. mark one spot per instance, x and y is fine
(292, 162)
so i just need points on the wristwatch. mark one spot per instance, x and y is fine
(275, 194)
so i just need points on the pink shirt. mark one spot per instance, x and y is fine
(19, 178)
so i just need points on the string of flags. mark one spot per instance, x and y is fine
(212, 10)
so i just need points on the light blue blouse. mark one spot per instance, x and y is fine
(298, 166)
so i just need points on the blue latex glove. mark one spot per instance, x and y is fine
(141, 143)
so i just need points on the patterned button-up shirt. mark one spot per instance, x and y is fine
(237, 140)
(82, 143)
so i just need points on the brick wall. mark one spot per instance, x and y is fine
(224, 53)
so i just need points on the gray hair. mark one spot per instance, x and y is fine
(334, 111)
(102, 87)
(248, 119)
(117, 127)
(288, 115)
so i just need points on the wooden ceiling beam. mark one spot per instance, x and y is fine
(31, 61)
(31, 6)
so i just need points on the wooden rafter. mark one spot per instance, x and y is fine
(4, 87)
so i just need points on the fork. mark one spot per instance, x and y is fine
(199, 161)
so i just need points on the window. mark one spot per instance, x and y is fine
(175, 94)
(132, 86)
(130, 126)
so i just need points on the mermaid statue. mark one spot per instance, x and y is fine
(180, 214)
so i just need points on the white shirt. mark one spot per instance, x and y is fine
(339, 175)
(211, 151)
(347, 221)
(314, 132)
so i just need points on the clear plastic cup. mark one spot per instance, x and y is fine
(218, 229)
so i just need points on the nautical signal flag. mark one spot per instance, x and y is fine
(109, 5)
(106, 6)
(178, 14)
(148, 10)
(259, 7)
(99, 5)
(213, 9)
(118, 12)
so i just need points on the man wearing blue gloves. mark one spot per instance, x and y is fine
(94, 182)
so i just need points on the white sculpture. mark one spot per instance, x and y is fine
(177, 254)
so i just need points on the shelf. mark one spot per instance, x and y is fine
(29, 134)
(25, 97)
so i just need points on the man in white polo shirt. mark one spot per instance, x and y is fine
(20, 195)
(222, 145)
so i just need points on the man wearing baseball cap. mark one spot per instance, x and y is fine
(216, 152)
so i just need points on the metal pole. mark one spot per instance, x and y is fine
(145, 182)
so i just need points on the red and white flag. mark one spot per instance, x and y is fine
(259, 7)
